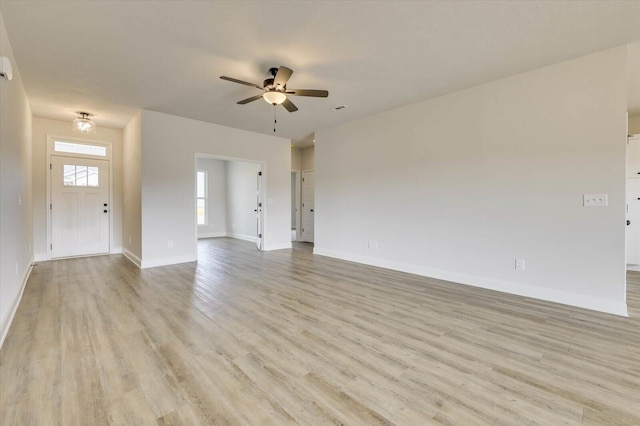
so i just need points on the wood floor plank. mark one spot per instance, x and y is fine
(285, 337)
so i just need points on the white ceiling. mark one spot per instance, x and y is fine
(112, 58)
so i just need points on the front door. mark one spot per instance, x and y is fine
(80, 210)
(307, 206)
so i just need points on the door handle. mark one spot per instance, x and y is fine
(628, 222)
(310, 210)
(105, 204)
(106, 211)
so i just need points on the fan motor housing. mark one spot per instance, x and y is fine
(268, 83)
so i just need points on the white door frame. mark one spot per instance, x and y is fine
(263, 194)
(302, 197)
(51, 138)
(298, 190)
(626, 189)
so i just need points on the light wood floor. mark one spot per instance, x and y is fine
(286, 337)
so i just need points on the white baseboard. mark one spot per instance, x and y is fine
(211, 234)
(167, 261)
(551, 295)
(6, 324)
(251, 238)
(635, 268)
(132, 257)
(116, 250)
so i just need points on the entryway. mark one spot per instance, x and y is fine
(79, 198)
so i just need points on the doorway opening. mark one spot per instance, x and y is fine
(228, 202)
(79, 197)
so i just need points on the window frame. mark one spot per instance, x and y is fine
(205, 198)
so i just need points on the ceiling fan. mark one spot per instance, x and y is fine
(275, 89)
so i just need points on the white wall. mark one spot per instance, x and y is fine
(16, 221)
(169, 144)
(43, 127)
(241, 199)
(634, 125)
(296, 159)
(308, 158)
(459, 186)
(132, 190)
(216, 213)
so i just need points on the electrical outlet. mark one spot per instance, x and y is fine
(170, 244)
(519, 264)
(595, 200)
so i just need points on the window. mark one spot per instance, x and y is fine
(80, 175)
(80, 148)
(201, 197)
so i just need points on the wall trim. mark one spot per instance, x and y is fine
(251, 238)
(211, 234)
(132, 257)
(547, 294)
(6, 324)
(167, 261)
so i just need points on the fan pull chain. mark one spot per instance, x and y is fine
(274, 118)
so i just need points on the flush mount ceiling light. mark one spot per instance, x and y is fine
(274, 98)
(83, 124)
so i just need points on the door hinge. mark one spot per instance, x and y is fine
(259, 204)
(50, 166)
(50, 206)
(259, 235)
(303, 179)
(51, 246)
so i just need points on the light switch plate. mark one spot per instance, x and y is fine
(595, 200)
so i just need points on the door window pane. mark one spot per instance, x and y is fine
(81, 175)
(69, 175)
(92, 176)
(80, 148)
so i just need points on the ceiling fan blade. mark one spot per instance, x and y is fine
(308, 92)
(282, 76)
(235, 80)
(251, 99)
(289, 106)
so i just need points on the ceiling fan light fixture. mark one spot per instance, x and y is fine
(274, 98)
(83, 124)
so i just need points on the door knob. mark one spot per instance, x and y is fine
(311, 210)
(105, 211)
(105, 204)
(628, 222)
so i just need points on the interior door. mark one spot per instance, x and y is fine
(307, 206)
(633, 221)
(258, 211)
(633, 201)
(80, 210)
